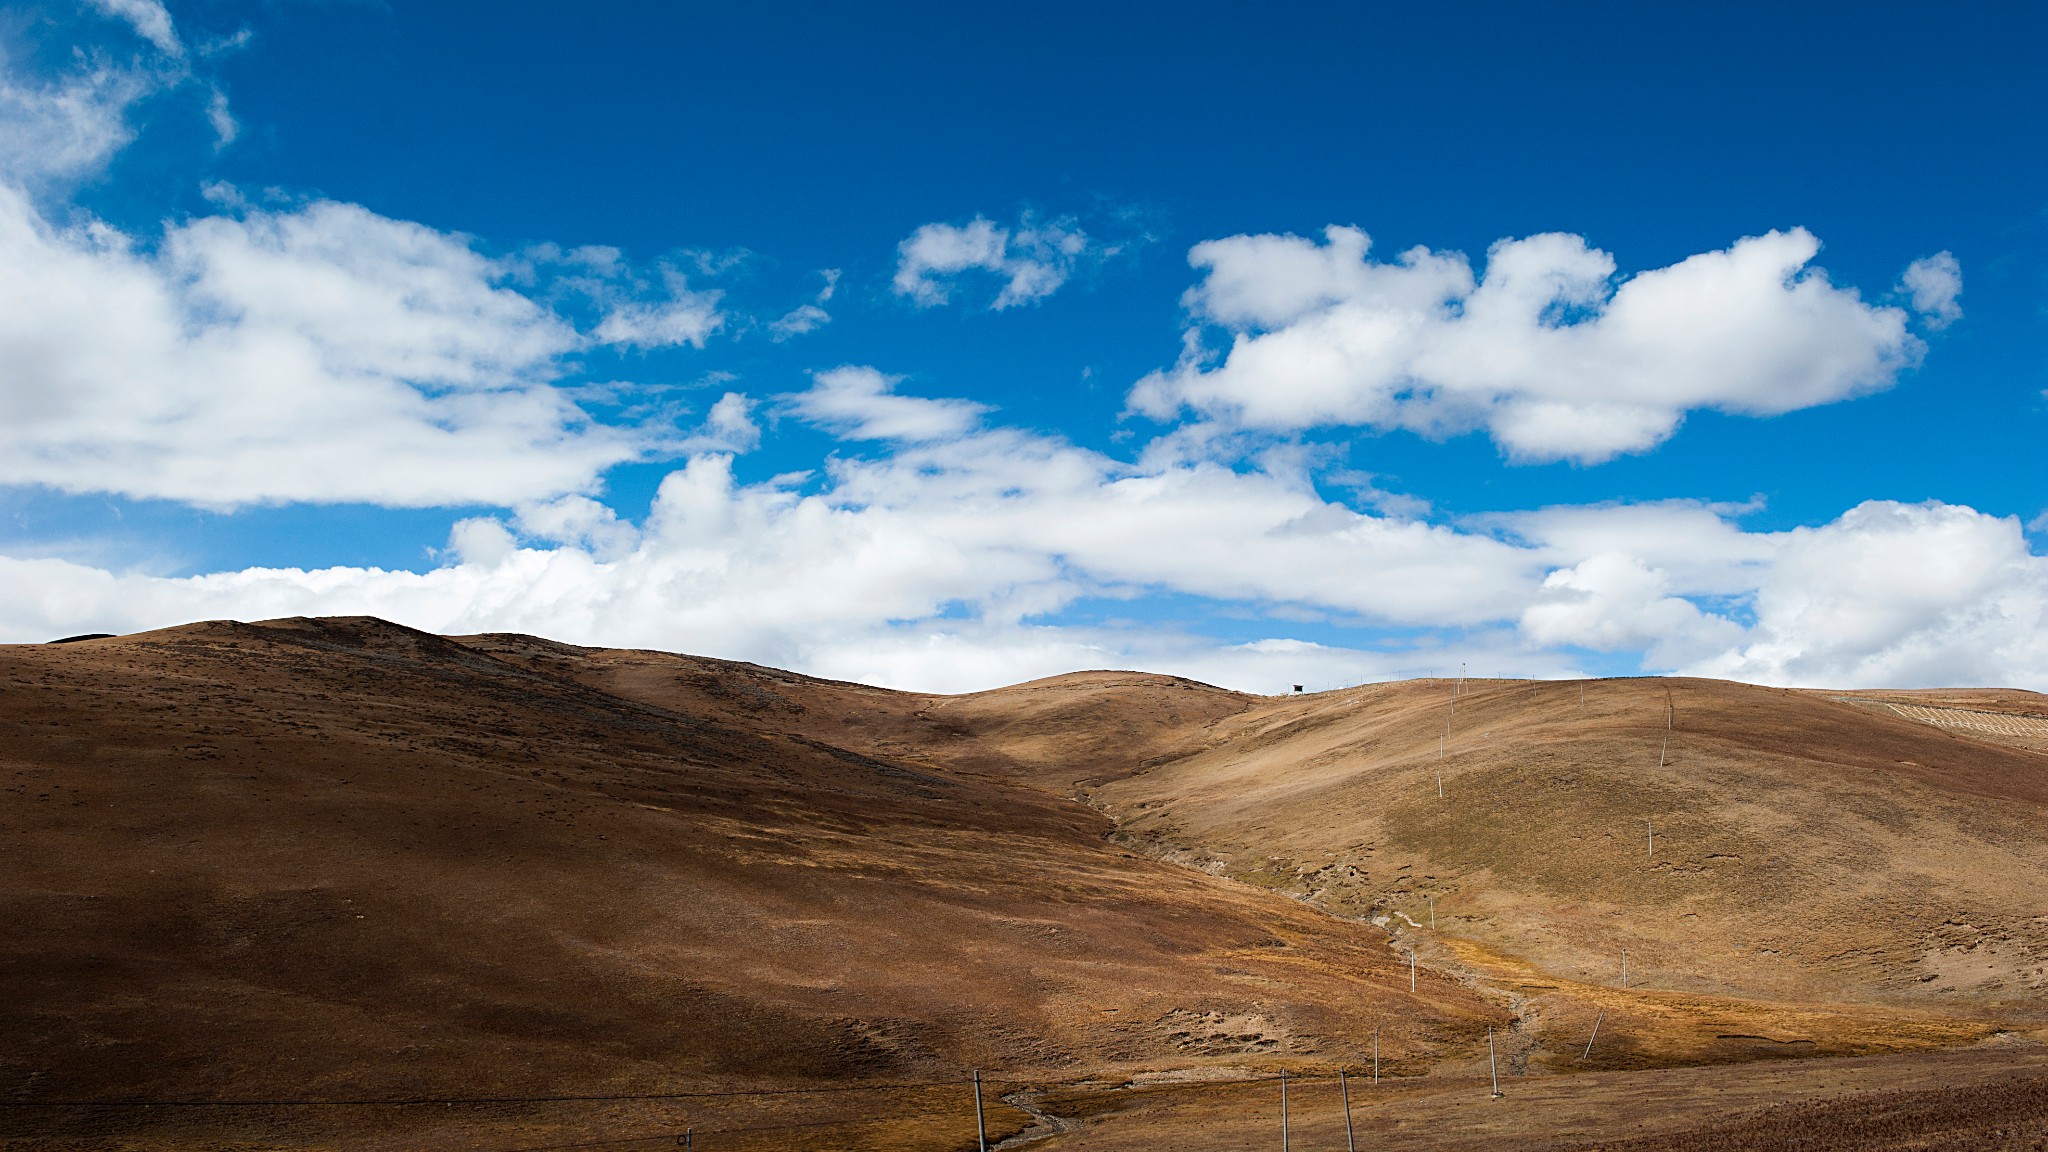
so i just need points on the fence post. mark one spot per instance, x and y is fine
(1283, 1110)
(980, 1128)
(1344, 1086)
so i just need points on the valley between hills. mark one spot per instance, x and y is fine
(336, 883)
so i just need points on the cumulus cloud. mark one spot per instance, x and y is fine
(868, 578)
(1613, 602)
(315, 353)
(322, 354)
(1545, 351)
(1934, 283)
(729, 427)
(947, 562)
(1032, 260)
(1899, 594)
(571, 521)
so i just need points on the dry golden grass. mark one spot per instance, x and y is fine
(340, 860)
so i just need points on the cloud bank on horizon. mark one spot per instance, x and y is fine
(310, 351)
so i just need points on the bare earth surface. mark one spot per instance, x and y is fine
(336, 883)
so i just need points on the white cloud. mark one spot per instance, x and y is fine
(862, 404)
(320, 354)
(1935, 282)
(799, 320)
(1697, 548)
(66, 128)
(571, 521)
(1545, 351)
(943, 563)
(1890, 593)
(149, 19)
(225, 130)
(729, 427)
(324, 353)
(58, 128)
(1613, 601)
(684, 316)
(807, 317)
(1032, 260)
(862, 579)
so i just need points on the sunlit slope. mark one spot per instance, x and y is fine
(1789, 847)
(340, 857)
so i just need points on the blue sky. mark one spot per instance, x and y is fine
(945, 348)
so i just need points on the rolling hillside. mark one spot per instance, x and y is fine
(342, 860)
(1786, 871)
(338, 859)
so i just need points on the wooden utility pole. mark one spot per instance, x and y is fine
(1490, 1065)
(1596, 1034)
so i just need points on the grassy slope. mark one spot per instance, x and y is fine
(1843, 863)
(343, 858)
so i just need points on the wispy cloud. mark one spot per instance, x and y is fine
(1032, 260)
(225, 128)
(150, 20)
(807, 317)
(860, 403)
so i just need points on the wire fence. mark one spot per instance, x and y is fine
(411, 1101)
(679, 1134)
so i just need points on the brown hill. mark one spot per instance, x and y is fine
(339, 858)
(1786, 871)
(343, 860)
